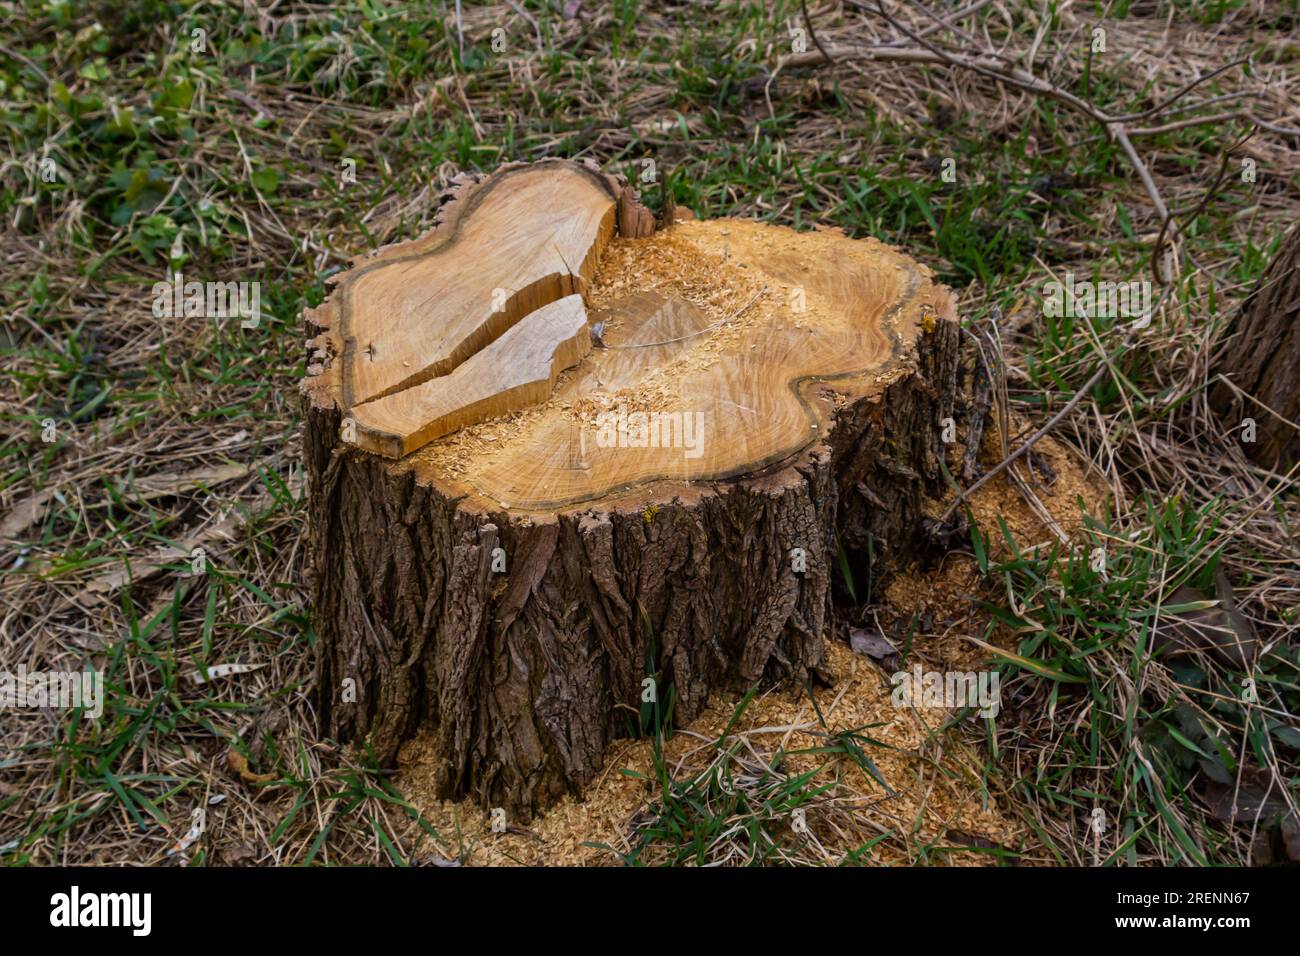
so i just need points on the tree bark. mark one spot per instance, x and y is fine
(522, 631)
(1260, 355)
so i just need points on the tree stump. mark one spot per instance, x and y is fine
(1260, 355)
(559, 461)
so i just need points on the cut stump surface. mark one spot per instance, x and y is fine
(556, 468)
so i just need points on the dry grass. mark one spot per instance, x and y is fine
(176, 433)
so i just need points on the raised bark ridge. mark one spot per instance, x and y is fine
(1260, 355)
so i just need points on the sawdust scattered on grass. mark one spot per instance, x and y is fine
(924, 798)
(947, 595)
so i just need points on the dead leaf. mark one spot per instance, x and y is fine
(143, 488)
(187, 841)
(1291, 838)
(222, 670)
(1216, 627)
(25, 514)
(1259, 795)
(239, 764)
(874, 645)
(238, 856)
(223, 529)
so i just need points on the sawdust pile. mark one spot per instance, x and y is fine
(923, 796)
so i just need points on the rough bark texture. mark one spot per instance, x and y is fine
(1260, 355)
(526, 676)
